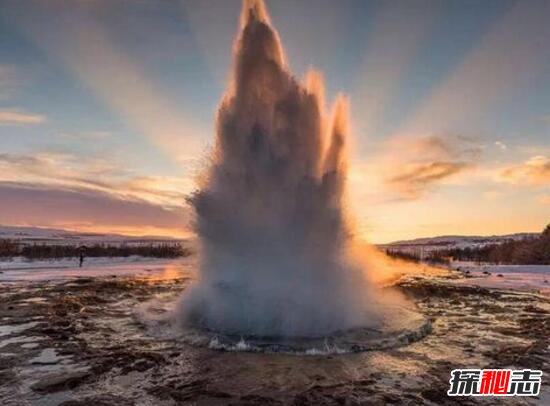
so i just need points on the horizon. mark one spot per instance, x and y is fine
(107, 111)
(191, 236)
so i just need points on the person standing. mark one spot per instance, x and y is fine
(81, 256)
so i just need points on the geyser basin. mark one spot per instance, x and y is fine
(404, 327)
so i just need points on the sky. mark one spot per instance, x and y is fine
(107, 109)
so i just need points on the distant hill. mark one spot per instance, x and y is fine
(512, 249)
(455, 241)
(39, 235)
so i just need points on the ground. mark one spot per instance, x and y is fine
(82, 341)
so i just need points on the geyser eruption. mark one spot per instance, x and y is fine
(270, 212)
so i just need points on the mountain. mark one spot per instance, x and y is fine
(39, 235)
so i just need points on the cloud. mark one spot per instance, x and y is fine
(19, 117)
(85, 209)
(501, 145)
(67, 170)
(416, 178)
(535, 171)
(14, 116)
(87, 135)
(417, 164)
(544, 199)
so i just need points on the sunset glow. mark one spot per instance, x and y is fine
(107, 110)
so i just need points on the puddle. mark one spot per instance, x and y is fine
(48, 356)
(25, 340)
(15, 328)
(35, 300)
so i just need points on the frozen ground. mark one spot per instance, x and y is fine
(77, 337)
(534, 278)
(20, 269)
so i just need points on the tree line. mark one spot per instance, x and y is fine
(433, 257)
(528, 251)
(10, 249)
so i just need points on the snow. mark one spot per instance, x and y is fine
(512, 277)
(21, 270)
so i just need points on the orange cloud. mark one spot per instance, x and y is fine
(415, 164)
(86, 210)
(535, 171)
(66, 170)
(414, 179)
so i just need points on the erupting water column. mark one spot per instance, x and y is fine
(270, 211)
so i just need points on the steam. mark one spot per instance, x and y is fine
(275, 238)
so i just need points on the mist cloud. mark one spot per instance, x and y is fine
(270, 213)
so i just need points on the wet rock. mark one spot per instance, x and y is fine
(101, 400)
(142, 365)
(534, 309)
(60, 381)
(390, 398)
(493, 308)
(83, 281)
(530, 356)
(257, 400)
(188, 391)
(437, 395)
(435, 289)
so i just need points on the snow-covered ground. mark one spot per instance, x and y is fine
(516, 277)
(20, 269)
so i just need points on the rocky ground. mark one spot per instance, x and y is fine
(81, 342)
